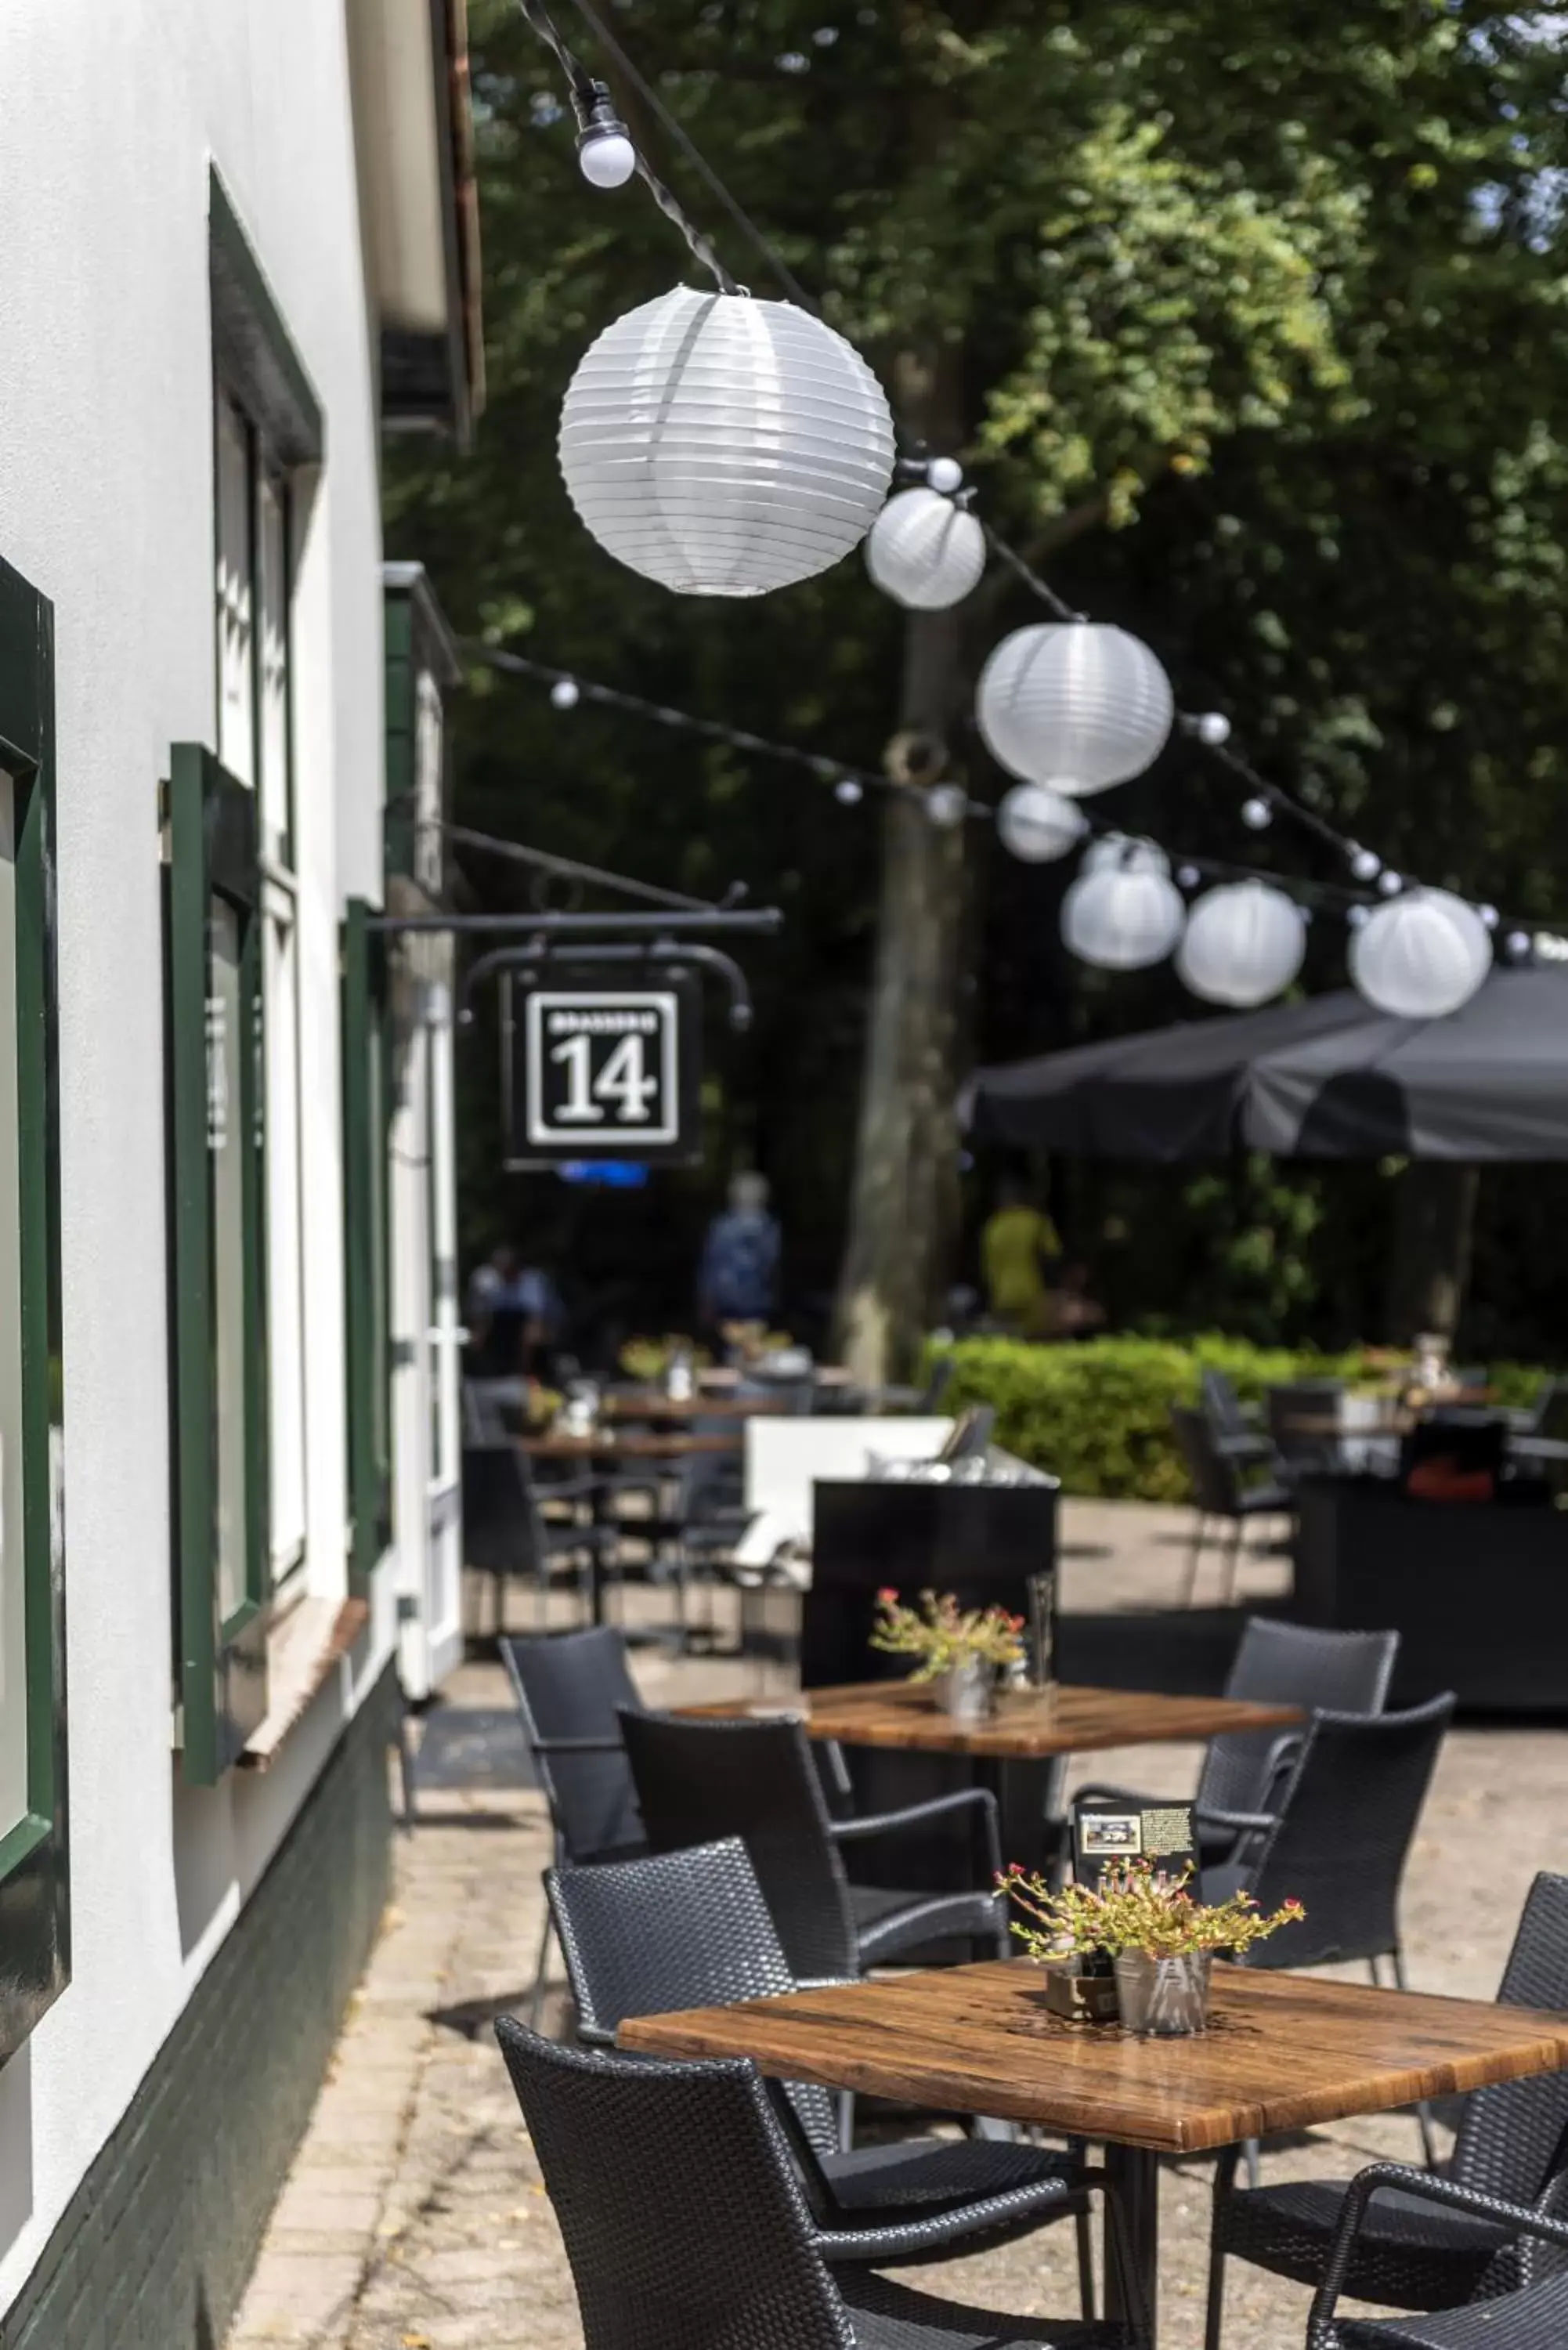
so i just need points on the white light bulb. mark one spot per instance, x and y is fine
(947, 805)
(607, 159)
(1257, 815)
(1518, 945)
(944, 474)
(1187, 876)
(566, 693)
(1213, 728)
(1390, 884)
(1489, 916)
(1364, 864)
(1358, 917)
(848, 791)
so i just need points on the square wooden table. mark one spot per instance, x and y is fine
(1282, 2052)
(1029, 1725)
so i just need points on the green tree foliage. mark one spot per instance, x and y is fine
(1259, 324)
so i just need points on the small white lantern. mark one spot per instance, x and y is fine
(1038, 825)
(924, 551)
(1244, 942)
(1077, 704)
(1123, 915)
(725, 446)
(1422, 955)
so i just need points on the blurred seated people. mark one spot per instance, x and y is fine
(514, 1318)
(1073, 1312)
(1015, 1244)
(737, 1280)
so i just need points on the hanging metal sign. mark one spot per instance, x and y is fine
(597, 1064)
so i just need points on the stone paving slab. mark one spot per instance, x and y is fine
(415, 2218)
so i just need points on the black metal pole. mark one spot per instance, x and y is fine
(759, 921)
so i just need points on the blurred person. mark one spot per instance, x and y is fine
(1016, 1242)
(737, 1280)
(514, 1317)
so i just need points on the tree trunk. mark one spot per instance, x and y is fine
(904, 1202)
(1434, 1214)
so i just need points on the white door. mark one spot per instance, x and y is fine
(427, 1338)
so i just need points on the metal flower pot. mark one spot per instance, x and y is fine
(967, 1692)
(1163, 1999)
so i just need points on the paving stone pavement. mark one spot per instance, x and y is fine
(415, 2219)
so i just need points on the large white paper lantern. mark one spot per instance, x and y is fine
(1124, 914)
(924, 551)
(1420, 955)
(1243, 944)
(1038, 825)
(1078, 705)
(725, 446)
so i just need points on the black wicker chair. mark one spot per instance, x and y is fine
(1532, 2316)
(1220, 1491)
(1510, 2141)
(692, 1929)
(699, 1782)
(570, 1688)
(686, 2227)
(509, 1533)
(1246, 1772)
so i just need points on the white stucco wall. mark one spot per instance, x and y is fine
(111, 113)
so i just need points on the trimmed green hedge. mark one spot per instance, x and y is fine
(1096, 1413)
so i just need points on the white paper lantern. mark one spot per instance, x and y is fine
(1243, 944)
(1422, 955)
(1038, 825)
(724, 446)
(1077, 704)
(1123, 916)
(924, 551)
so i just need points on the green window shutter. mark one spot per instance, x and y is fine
(35, 1883)
(217, 1232)
(367, 1107)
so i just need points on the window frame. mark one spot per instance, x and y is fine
(367, 1242)
(34, 1877)
(222, 1675)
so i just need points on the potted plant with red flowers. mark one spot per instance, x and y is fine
(964, 1652)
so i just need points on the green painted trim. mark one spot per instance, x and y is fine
(256, 354)
(366, 1245)
(35, 1879)
(222, 1666)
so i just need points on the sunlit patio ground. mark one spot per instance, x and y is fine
(414, 2217)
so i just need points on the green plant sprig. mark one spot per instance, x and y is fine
(1135, 1907)
(941, 1634)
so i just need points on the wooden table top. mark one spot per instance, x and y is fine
(651, 1404)
(1282, 2052)
(628, 1444)
(1028, 1723)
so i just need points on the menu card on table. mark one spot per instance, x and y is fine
(1107, 1834)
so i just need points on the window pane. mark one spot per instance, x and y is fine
(286, 1333)
(272, 549)
(380, 1324)
(226, 1141)
(429, 745)
(236, 653)
(12, 1605)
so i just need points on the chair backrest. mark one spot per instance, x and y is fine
(1304, 1400)
(971, 1432)
(574, 1685)
(1291, 1664)
(680, 2214)
(676, 1929)
(1345, 1832)
(699, 1782)
(1512, 2135)
(1550, 1417)
(1214, 1481)
(1222, 1405)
